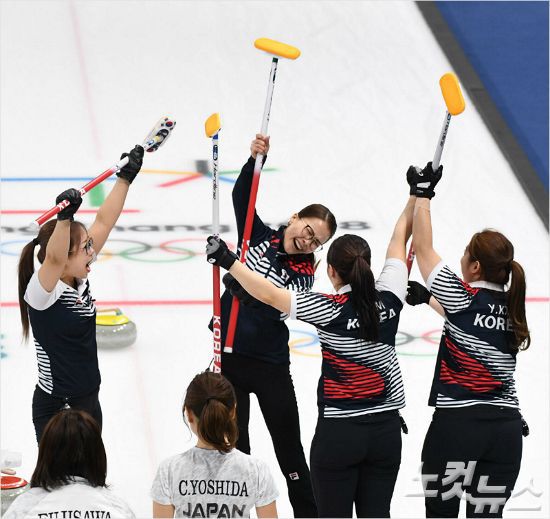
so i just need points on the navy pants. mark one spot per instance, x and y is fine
(272, 385)
(44, 406)
(355, 462)
(491, 437)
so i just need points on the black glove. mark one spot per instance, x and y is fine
(236, 290)
(219, 254)
(74, 198)
(423, 181)
(135, 160)
(417, 294)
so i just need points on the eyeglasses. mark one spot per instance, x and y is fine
(87, 247)
(309, 234)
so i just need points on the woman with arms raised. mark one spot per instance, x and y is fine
(356, 450)
(260, 362)
(56, 303)
(476, 426)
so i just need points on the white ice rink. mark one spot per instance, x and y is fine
(81, 82)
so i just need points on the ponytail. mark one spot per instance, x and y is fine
(217, 425)
(364, 298)
(495, 254)
(516, 307)
(211, 398)
(349, 255)
(24, 273)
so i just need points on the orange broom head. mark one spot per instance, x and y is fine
(213, 125)
(277, 48)
(450, 88)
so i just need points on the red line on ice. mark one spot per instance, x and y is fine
(84, 77)
(180, 180)
(153, 302)
(40, 211)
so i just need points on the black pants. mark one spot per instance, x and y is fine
(356, 462)
(44, 406)
(272, 385)
(488, 435)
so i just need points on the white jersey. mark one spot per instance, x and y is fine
(78, 500)
(210, 483)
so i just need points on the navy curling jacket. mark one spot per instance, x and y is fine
(261, 332)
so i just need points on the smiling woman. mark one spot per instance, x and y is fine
(55, 301)
(356, 450)
(260, 362)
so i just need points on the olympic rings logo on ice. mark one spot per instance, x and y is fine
(351, 225)
(300, 340)
(170, 251)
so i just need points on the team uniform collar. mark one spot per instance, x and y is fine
(344, 290)
(488, 285)
(80, 285)
(79, 479)
(280, 233)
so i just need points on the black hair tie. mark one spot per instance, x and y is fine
(509, 267)
(36, 241)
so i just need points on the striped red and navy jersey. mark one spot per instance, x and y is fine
(63, 326)
(261, 331)
(475, 362)
(358, 377)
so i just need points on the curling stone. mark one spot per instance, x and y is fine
(11, 488)
(114, 329)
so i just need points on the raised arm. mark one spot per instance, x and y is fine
(418, 294)
(402, 232)
(255, 284)
(422, 184)
(426, 256)
(241, 190)
(57, 250)
(111, 208)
